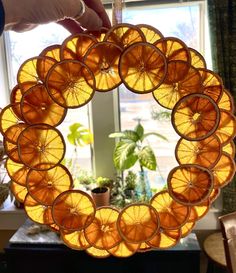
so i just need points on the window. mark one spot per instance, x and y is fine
(23, 46)
(184, 20)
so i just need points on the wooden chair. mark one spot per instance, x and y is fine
(214, 249)
(228, 229)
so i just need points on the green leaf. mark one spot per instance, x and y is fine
(147, 158)
(139, 130)
(117, 134)
(155, 134)
(71, 139)
(130, 135)
(126, 135)
(124, 155)
(75, 126)
(79, 135)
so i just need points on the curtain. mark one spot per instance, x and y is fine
(222, 21)
(222, 24)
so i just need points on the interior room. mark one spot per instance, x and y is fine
(117, 143)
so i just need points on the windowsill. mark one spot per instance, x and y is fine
(11, 218)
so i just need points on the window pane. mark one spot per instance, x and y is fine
(181, 21)
(22, 46)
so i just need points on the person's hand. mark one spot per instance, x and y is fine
(22, 15)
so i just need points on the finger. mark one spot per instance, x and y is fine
(71, 25)
(90, 20)
(23, 27)
(98, 7)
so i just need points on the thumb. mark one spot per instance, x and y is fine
(90, 20)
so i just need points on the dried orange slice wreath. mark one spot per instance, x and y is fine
(67, 76)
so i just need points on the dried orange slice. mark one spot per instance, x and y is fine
(102, 233)
(165, 239)
(151, 34)
(54, 228)
(144, 247)
(13, 132)
(173, 49)
(214, 194)
(98, 253)
(73, 210)
(178, 85)
(8, 118)
(18, 91)
(76, 46)
(98, 34)
(103, 58)
(37, 212)
(205, 153)
(172, 214)
(195, 117)
(190, 184)
(11, 150)
(34, 70)
(52, 51)
(41, 146)
(16, 96)
(201, 209)
(142, 68)
(212, 84)
(223, 171)
(229, 149)
(17, 172)
(124, 249)
(226, 101)
(187, 228)
(197, 60)
(18, 191)
(45, 186)
(70, 83)
(138, 223)
(226, 130)
(75, 240)
(177, 71)
(124, 35)
(38, 107)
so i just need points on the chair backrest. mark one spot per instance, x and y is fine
(228, 229)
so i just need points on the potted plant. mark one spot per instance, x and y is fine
(101, 193)
(132, 148)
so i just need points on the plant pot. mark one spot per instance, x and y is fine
(101, 196)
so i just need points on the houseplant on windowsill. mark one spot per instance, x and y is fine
(133, 148)
(101, 193)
